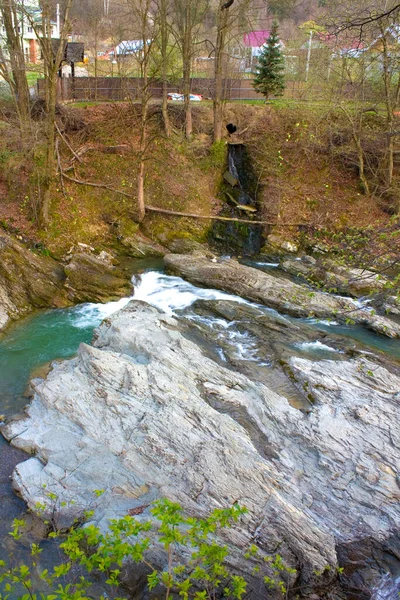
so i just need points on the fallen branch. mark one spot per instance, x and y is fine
(67, 143)
(218, 218)
(97, 185)
(181, 214)
(60, 171)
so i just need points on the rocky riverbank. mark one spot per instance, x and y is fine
(145, 413)
(281, 294)
(29, 280)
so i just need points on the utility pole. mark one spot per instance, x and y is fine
(309, 53)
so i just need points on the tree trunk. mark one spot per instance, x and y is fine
(142, 146)
(140, 191)
(50, 163)
(218, 70)
(361, 165)
(387, 80)
(187, 59)
(52, 62)
(144, 101)
(164, 65)
(18, 81)
(187, 105)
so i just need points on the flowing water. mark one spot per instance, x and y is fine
(240, 202)
(28, 347)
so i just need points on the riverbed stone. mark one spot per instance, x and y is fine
(279, 244)
(346, 280)
(93, 279)
(143, 413)
(138, 245)
(278, 293)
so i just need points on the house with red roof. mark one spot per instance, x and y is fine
(248, 51)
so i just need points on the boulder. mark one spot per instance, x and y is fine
(27, 280)
(94, 279)
(139, 246)
(344, 280)
(278, 244)
(187, 246)
(143, 413)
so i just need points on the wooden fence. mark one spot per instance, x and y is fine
(122, 88)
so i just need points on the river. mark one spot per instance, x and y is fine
(28, 347)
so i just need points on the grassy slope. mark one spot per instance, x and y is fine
(300, 179)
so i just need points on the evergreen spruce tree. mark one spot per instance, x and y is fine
(269, 79)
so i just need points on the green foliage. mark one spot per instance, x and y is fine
(218, 154)
(89, 550)
(269, 78)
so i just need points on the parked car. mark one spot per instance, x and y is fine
(180, 97)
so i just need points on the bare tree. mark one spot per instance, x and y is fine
(187, 20)
(222, 29)
(52, 59)
(12, 66)
(142, 15)
(164, 35)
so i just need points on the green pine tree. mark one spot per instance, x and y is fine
(269, 79)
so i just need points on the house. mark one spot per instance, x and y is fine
(248, 51)
(392, 37)
(129, 47)
(29, 23)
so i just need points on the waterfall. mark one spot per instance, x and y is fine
(239, 192)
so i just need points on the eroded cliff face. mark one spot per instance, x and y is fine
(29, 281)
(143, 413)
(26, 280)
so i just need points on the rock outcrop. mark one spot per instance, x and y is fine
(344, 280)
(93, 279)
(143, 413)
(27, 280)
(140, 246)
(278, 293)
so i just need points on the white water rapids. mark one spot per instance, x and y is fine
(165, 292)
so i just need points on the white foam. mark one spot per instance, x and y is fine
(174, 293)
(317, 345)
(322, 322)
(266, 264)
(92, 314)
(165, 292)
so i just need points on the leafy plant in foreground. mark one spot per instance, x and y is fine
(194, 563)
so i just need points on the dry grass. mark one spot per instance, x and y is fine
(299, 181)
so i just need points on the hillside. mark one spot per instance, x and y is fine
(303, 182)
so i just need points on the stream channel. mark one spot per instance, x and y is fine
(229, 334)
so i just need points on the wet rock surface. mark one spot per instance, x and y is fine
(144, 413)
(280, 294)
(344, 280)
(139, 246)
(27, 280)
(93, 279)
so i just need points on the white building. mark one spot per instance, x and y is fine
(29, 20)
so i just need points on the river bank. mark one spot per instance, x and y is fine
(137, 363)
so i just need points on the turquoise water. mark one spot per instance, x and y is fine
(365, 338)
(35, 341)
(48, 335)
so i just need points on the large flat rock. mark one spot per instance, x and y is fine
(143, 414)
(276, 292)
